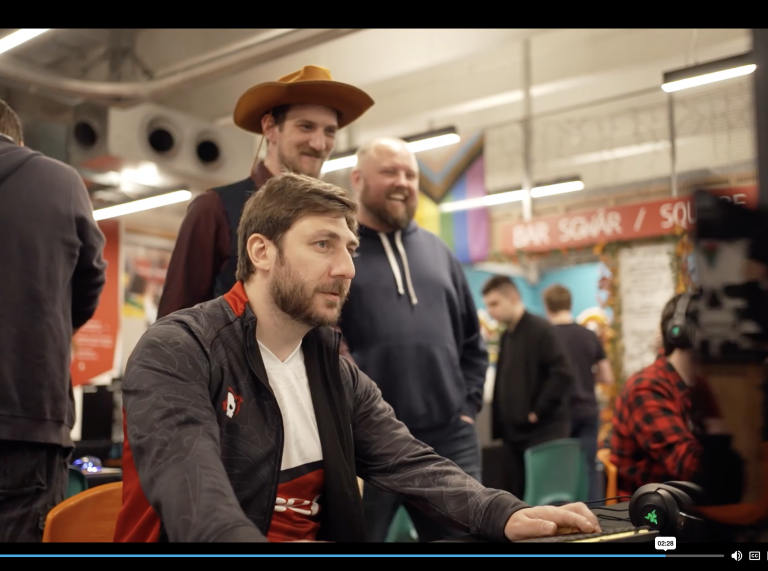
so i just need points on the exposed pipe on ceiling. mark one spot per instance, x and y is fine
(262, 48)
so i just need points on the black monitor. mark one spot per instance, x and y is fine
(97, 413)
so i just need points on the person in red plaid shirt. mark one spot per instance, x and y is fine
(655, 433)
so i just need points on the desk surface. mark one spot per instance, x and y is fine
(609, 517)
(105, 476)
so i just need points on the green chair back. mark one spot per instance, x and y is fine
(77, 482)
(556, 472)
(401, 529)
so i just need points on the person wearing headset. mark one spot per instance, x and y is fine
(656, 435)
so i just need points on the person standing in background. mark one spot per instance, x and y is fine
(298, 115)
(412, 326)
(590, 365)
(533, 380)
(53, 275)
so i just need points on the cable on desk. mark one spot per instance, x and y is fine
(608, 499)
(613, 518)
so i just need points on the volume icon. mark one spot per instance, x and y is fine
(736, 555)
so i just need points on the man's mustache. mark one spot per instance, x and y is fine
(336, 288)
(312, 153)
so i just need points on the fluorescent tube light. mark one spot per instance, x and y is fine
(709, 78)
(489, 200)
(433, 142)
(19, 37)
(709, 72)
(559, 188)
(143, 204)
(415, 144)
(511, 196)
(341, 163)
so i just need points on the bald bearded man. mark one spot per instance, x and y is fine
(410, 323)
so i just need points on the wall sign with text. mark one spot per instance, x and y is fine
(95, 343)
(619, 223)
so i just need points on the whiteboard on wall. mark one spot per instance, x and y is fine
(646, 284)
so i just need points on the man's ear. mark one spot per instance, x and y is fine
(356, 178)
(268, 127)
(261, 252)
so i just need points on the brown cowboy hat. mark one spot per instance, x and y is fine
(312, 85)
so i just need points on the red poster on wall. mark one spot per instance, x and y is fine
(619, 223)
(95, 342)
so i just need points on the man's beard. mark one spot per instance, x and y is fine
(294, 165)
(383, 215)
(290, 295)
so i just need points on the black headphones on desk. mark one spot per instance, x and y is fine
(668, 508)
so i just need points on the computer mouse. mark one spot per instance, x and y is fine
(88, 464)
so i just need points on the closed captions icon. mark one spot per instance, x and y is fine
(754, 556)
(736, 555)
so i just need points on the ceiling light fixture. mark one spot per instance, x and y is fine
(559, 188)
(511, 196)
(339, 163)
(145, 174)
(709, 72)
(143, 204)
(19, 37)
(415, 144)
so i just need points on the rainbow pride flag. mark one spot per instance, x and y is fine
(449, 176)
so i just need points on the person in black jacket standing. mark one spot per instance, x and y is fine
(53, 273)
(533, 380)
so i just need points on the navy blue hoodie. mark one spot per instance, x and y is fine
(411, 325)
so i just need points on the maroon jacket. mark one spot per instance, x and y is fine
(203, 247)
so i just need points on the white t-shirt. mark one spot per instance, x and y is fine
(301, 470)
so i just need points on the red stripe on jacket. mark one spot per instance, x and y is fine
(137, 521)
(237, 299)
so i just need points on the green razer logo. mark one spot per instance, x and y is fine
(652, 517)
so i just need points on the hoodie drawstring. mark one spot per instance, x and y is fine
(395, 268)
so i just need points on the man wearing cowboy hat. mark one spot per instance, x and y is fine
(299, 116)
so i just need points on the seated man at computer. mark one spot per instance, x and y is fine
(655, 436)
(243, 424)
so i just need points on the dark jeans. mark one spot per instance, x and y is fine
(585, 429)
(458, 443)
(33, 480)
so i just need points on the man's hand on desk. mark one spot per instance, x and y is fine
(543, 521)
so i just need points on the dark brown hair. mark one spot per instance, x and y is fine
(284, 199)
(500, 283)
(557, 297)
(280, 113)
(10, 124)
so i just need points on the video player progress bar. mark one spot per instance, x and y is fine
(690, 555)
